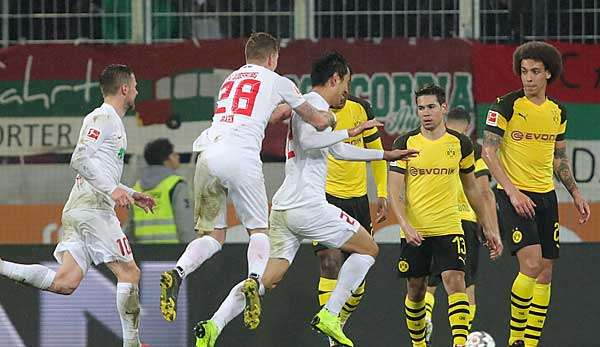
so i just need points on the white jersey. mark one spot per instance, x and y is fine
(98, 160)
(306, 159)
(245, 102)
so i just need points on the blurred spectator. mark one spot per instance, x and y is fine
(172, 220)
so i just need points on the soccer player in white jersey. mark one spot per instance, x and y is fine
(300, 211)
(91, 230)
(229, 163)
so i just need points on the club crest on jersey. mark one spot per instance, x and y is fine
(492, 118)
(451, 152)
(93, 134)
(121, 153)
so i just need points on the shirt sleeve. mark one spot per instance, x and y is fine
(310, 138)
(399, 165)
(344, 151)
(497, 117)
(94, 132)
(481, 168)
(289, 92)
(562, 129)
(467, 161)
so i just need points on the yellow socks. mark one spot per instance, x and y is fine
(415, 321)
(520, 301)
(472, 310)
(429, 305)
(352, 302)
(537, 314)
(458, 315)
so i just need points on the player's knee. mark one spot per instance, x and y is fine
(545, 275)
(532, 266)
(416, 289)
(134, 273)
(373, 249)
(331, 263)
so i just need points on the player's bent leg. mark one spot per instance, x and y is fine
(414, 308)
(195, 254)
(361, 243)
(128, 300)
(258, 252)
(530, 266)
(538, 310)
(68, 277)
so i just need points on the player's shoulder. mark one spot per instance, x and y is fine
(364, 104)
(561, 107)
(401, 141)
(466, 146)
(477, 148)
(505, 103)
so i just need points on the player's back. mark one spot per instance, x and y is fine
(305, 169)
(244, 105)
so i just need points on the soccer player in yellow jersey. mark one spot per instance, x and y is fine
(424, 198)
(346, 188)
(524, 143)
(458, 119)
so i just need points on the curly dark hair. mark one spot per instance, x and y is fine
(540, 51)
(432, 89)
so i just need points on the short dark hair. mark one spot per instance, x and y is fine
(459, 113)
(432, 89)
(540, 51)
(113, 77)
(326, 66)
(260, 45)
(157, 151)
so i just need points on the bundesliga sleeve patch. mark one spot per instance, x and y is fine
(93, 134)
(492, 118)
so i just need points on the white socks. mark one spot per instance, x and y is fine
(35, 275)
(196, 253)
(231, 307)
(128, 305)
(259, 248)
(351, 275)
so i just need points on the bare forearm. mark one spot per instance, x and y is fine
(481, 204)
(562, 170)
(319, 119)
(491, 143)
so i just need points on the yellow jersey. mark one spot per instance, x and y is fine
(528, 132)
(432, 181)
(466, 212)
(348, 179)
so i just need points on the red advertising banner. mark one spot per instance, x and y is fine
(177, 84)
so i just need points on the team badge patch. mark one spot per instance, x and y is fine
(403, 266)
(492, 118)
(517, 236)
(93, 134)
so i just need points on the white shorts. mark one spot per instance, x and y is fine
(326, 224)
(93, 236)
(218, 175)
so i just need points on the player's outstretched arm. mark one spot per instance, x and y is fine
(281, 113)
(524, 206)
(397, 190)
(321, 120)
(562, 170)
(485, 214)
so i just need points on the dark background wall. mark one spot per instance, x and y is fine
(574, 316)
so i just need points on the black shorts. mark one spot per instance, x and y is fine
(435, 255)
(521, 232)
(471, 230)
(357, 208)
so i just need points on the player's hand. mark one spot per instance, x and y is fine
(524, 206)
(412, 236)
(121, 197)
(493, 243)
(144, 201)
(357, 130)
(382, 210)
(331, 120)
(582, 207)
(400, 154)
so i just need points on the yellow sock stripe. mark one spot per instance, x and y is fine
(415, 320)
(458, 316)
(537, 314)
(429, 303)
(352, 302)
(520, 302)
(326, 286)
(472, 310)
